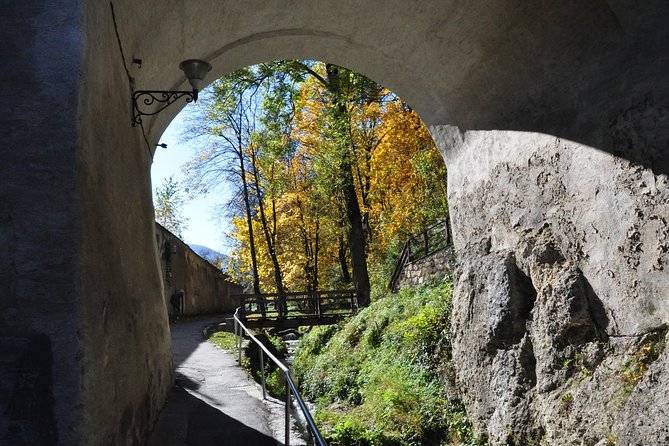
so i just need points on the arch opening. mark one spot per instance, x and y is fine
(384, 132)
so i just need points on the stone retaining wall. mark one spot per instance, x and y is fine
(433, 267)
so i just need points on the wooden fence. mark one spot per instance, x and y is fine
(295, 309)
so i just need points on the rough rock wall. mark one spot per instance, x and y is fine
(560, 310)
(427, 269)
(207, 289)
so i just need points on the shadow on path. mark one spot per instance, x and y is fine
(214, 401)
(186, 339)
(187, 420)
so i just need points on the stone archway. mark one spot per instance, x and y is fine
(76, 245)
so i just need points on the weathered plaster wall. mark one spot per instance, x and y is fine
(206, 288)
(126, 362)
(40, 342)
(563, 253)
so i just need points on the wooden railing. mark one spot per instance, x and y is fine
(432, 239)
(306, 308)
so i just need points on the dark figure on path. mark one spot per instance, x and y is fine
(177, 304)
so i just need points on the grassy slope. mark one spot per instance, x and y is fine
(376, 378)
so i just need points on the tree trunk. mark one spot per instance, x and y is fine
(345, 274)
(249, 220)
(269, 239)
(315, 251)
(356, 239)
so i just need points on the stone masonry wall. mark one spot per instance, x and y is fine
(427, 269)
(207, 289)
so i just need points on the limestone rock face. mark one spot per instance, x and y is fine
(608, 216)
(534, 360)
(560, 301)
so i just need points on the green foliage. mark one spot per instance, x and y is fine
(168, 204)
(223, 339)
(275, 383)
(566, 401)
(577, 364)
(381, 269)
(274, 380)
(376, 378)
(277, 343)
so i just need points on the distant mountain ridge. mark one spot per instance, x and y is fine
(211, 255)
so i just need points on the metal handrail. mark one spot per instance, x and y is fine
(399, 267)
(430, 240)
(290, 384)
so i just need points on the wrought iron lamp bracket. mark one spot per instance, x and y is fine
(152, 102)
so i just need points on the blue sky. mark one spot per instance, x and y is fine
(203, 226)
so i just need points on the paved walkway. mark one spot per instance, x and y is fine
(214, 401)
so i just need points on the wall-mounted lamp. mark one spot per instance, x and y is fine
(151, 102)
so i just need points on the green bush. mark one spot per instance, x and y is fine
(375, 378)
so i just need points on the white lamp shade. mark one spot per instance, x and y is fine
(195, 70)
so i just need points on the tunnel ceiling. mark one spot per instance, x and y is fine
(564, 68)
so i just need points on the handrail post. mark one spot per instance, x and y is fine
(262, 374)
(287, 440)
(449, 236)
(239, 345)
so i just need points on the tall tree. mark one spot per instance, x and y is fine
(344, 90)
(268, 150)
(340, 84)
(246, 114)
(335, 168)
(228, 119)
(398, 175)
(168, 204)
